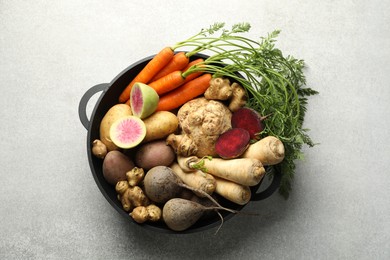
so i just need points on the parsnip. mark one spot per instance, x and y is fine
(232, 191)
(186, 162)
(269, 150)
(244, 171)
(196, 179)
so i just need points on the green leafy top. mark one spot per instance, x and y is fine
(275, 84)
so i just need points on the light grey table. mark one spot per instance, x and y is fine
(51, 52)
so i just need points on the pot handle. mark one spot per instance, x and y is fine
(276, 179)
(84, 101)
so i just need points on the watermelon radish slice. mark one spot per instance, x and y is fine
(143, 100)
(127, 132)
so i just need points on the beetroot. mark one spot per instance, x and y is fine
(250, 120)
(232, 143)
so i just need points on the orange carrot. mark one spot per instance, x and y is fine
(184, 93)
(194, 62)
(168, 82)
(147, 73)
(193, 75)
(178, 62)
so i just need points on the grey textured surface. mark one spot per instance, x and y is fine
(51, 52)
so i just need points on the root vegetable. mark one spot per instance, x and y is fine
(135, 176)
(159, 125)
(196, 179)
(153, 154)
(121, 187)
(180, 214)
(125, 201)
(201, 121)
(219, 89)
(250, 120)
(186, 162)
(99, 149)
(115, 167)
(232, 191)
(183, 145)
(239, 97)
(244, 171)
(113, 114)
(269, 150)
(139, 214)
(127, 132)
(161, 184)
(232, 143)
(137, 197)
(142, 214)
(154, 213)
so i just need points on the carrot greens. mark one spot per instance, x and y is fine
(275, 84)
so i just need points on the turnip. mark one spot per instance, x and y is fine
(180, 214)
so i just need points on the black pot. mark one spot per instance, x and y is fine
(108, 98)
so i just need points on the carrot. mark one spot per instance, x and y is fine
(193, 75)
(168, 82)
(178, 62)
(184, 93)
(147, 73)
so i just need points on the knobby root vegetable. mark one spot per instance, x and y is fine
(125, 200)
(232, 191)
(244, 171)
(135, 176)
(183, 145)
(142, 214)
(131, 196)
(180, 214)
(121, 187)
(99, 149)
(269, 150)
(239, 97)
(221, 89)
(137, 197)
(201, 122)
(196, 179)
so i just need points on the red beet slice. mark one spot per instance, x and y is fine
(232, 143)
(248, 119)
